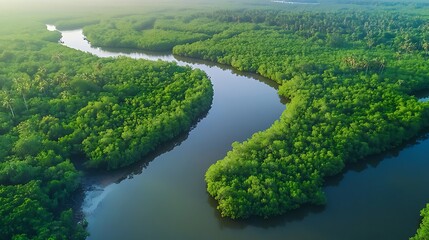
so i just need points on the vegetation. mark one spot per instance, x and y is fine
(423, 231)
(349, 76)
(59, 105)
(125, 34)
(150, 33)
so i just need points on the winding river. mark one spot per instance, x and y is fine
(164, 197)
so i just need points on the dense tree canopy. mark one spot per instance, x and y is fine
(59, 104)
(350, 77)
(423, 231)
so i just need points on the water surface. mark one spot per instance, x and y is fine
(164, 197)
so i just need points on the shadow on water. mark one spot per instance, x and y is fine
(423, 95)
(104, 178)
(234, 71)
(308, 209)
(374, 160)
(260, 222)
(97, 179)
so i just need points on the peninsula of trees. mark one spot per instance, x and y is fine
(61, 105)
(350, 75)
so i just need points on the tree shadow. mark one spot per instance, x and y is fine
(188, 60)
(422, 95)
(233, 70)
(260, 222)
(236, 72)
(98, 179)
(102, 177)
(307, 209)
(374, 160)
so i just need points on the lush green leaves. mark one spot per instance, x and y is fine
(139, 33)
(347, 75)
(136, 112)
(25, 215)
(347, 101)
(423, 231)
(59, 104)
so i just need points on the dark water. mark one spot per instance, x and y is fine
(164, 197)
(423, 96)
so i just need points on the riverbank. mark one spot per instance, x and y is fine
(184, 167)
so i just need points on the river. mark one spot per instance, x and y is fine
(164, 196)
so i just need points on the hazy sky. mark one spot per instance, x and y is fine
(26, 4)
(83, 7)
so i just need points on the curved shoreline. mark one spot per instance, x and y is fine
(157, 162)
(230, 82)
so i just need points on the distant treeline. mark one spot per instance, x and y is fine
(387, 3)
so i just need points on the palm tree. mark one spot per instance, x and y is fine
(57, 57)
(382, 63)
(23, 86)
(7, 101)
(61, 80)
(65, 94)
(40, 80)
(425, 46)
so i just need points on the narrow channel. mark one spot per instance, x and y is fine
(164, 197)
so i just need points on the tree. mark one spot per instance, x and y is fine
(22, 84)
(7, 101)
(40, 80)
(425, 47)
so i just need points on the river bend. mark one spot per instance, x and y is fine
(164, 196)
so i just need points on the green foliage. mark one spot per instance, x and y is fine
(136, 112)
(349, 100)
(140, 33)
(423, 231)
(74, 23)
(158, 33)
(25, 215)
(58, 104)
(348, 75)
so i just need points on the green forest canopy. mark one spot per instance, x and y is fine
(58, 105)
(350, 75)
